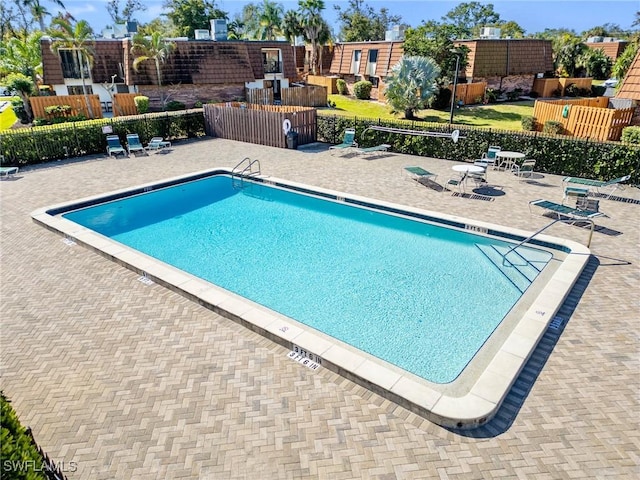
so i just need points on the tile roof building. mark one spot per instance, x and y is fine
(503, 64)
(196, 70)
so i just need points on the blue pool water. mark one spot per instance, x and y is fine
(419, 296)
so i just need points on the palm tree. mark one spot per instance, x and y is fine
(291, 29)
(79, 39)
(22, 54)
(411, 83)
(312, 25)
(155, 48)
(38, 11)
(270, 20)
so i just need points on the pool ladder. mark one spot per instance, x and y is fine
(245, 168)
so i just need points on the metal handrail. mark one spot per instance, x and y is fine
(537, 232)
(246, 171)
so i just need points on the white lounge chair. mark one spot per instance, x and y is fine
(157, 143)
(6, 172)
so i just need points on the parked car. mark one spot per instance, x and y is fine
(612, 82)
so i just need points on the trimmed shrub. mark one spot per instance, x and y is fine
(492, 95)
(174, 105)
(341, 85)
(19, 458)
(528, 123)
(362, 89)
(142, 103)
(553, 127)
(630, 135)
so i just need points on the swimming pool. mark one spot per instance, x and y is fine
(309, 256)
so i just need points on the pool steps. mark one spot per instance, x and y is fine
(521, 266)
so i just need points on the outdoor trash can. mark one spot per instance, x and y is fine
(292, 140)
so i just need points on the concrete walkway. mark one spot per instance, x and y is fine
(119, 379)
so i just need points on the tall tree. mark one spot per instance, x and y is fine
(511, 29)
(291, 29)
(361, 23)
(411, 84)
(312, 25)
(624, 61)
(23, 86)
(270, 20)
(124, 14)
(470, 17)
(154, 48)
(189, 15)
(567, 50)
(435, 40)
(39, 11)
(596, 63)
(79, 39)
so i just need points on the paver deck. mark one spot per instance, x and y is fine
(128, 380)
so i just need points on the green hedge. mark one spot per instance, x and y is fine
(19, 458)
(554, 154)
(29, 146)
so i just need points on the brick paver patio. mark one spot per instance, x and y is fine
(128, 380)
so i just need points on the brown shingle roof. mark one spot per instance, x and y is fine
(630, 87)
(501, 58)
(610, 49)
(389, 54)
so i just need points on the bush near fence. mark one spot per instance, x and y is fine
(27, 146)
(554, 154)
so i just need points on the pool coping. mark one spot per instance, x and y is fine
(472, 409)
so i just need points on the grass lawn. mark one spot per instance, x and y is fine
(505, 116)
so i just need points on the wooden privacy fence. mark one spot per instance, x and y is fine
(261, 124)
(329, 82)
(584, 118)
(311, 96)
(124, 104)
(77, 103)
(545, 87)
(470, 93)
(260, 96)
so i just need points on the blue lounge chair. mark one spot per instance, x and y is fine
(567, 211)
(157, 143)
(134, 144)
(114, 147)
(348, 141)
(598, 184)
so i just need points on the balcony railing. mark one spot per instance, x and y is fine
(273, 66)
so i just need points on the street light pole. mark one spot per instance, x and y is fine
(453, 93)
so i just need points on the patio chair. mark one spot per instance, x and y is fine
(598, 184)
(377, 148)
(157, 143)
(6, 172)
(420, 175)
(559, 210)
(490, 154)
(114, 147)
(479, 177)
(348, 141)
(525, 168)
(457, 181)
(134, 144)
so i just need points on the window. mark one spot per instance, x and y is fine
(77, 90)
(372, 62)
(355, 64)
(374, 81)
(271, 61)
(71, 64)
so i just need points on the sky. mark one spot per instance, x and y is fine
(532, 15)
